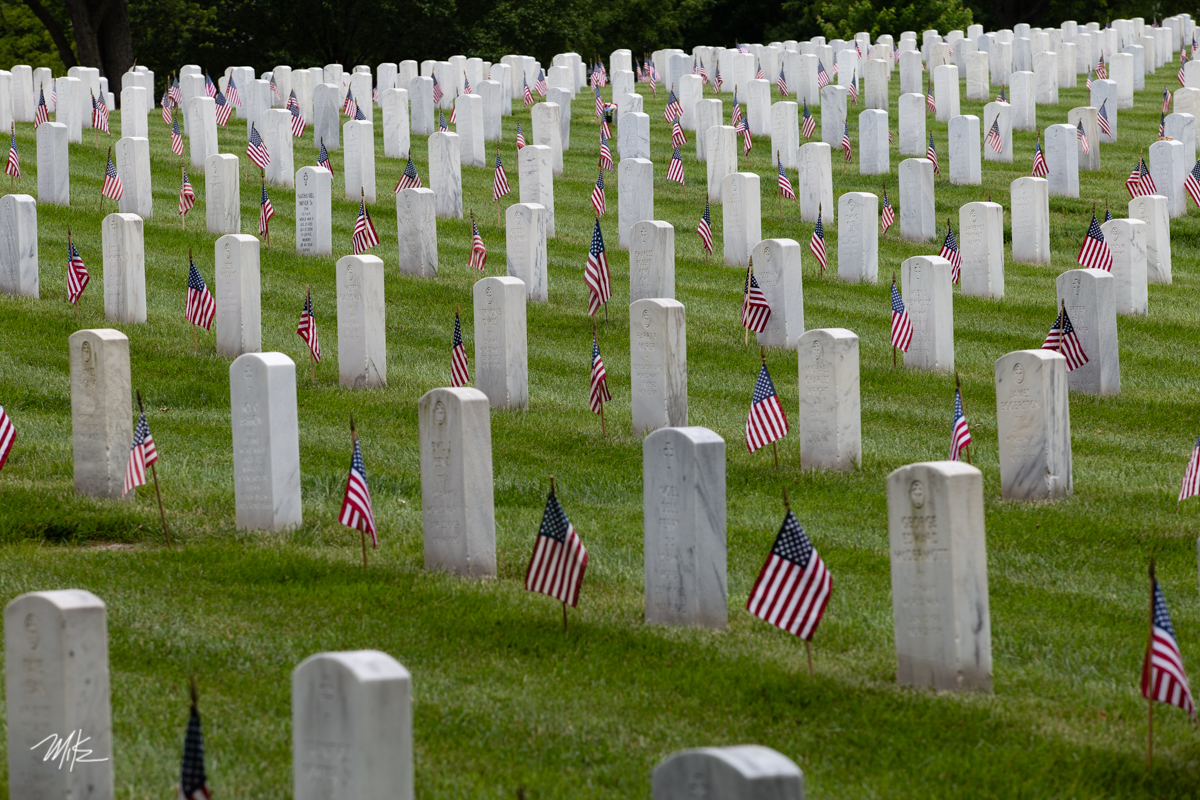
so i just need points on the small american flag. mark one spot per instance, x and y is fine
(1094, 253)
(193, 781)
(349, 106)
(817, 243)
(1163, 676)
(142, 454)
(520, 133)
(466, 85)
(1088, 83)
(43, 112)
(8, 435)
(265, 212)
(793, 587)
(410, 179)
(1107, 214)
(888, 214)
(599, 379)
(598, 195)
(256, 149)
(677, 136)
(854, 89)
(1063, 339)
(847, 151)
(210, 90)
(960, 435)
(478, 251)
(13, 167)
(747, 142)
(951, 254)
(717, 80)
(737, 110)
(931, 154)
(1102, 119)
(1147, 182)
(1166, 103)
(112, 188)
(902, 329)
(500, 181)
(1162, 121)
(167, 105)
(1192, 183)
(528, 94)
(365, 236)
(599, 103)
(675, 168)
(1040, 170)
(223, 109)
(822, 75)
(437, 90)
(559, 558)
(459, 376)
(596, 274)
(756, 312)
(785, 185)
(673, 110)
(704, 229)
(176, 136)
(703, 74)
(1101, 70)
(781, 82)
(235, 99)
(175, 92)
(187, 195)
(606, 161)
(359, 115)
(835, 67)
(308, 328)
(1082, 137)
(993, 137)
(1182, 61)
(298, 123)
(930, 103)
(605, 130)
(323, 160)
(77, 274)
(200, 304)
(810, 124)
(540, 84)
(1190, 487)
(356, 504)
(652, 78)
(442, 126)
(759, 74)
(1001, 98)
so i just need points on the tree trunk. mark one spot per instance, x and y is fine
(102, 36)
(61, 43)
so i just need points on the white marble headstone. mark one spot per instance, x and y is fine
(744, 772)
(1126, 239)
(777, 268)
(101, 411)
(501, 352)
(981, 247)
(721, 155)
(132, 159)
(525, 248)
(124, 268)
(635, 196)
(314, 214)
(53, 164)
(362, 340)
(1090, 296)
(536, 180)
(222, 203)
(1152, 210)
(19, 245)
(445, 175)
(266, 442)
(829, 421)
(658, 364)
(918, 222)
(929, 299)
(858, 237)
(1033, 425)
(651, 260)
(741, 216)
(238, 293)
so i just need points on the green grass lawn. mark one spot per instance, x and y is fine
(503, 698)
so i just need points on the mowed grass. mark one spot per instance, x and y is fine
(503, 697)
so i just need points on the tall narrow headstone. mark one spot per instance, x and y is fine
(396, 131)
(202, 130)
(276, 130)
(57, 683)
(1031, 216)
(721, 157)
(1090, 296)
(683, 505)
(1022, 96)
(814, 189)
(134, 120)
(998, 115)
(501, 352)
(708, 114)
(445, 175)
(744, 772)
(132, 158)
(651, 260)
(1169, 165)
(491, 94)
(547, 130)
(918, 222)
(327, 110)
(19, 246)
(929, 299)
(978, 83)
(53, 164)
(222, 186)
(945, 91)
(658, 364)
(777, 269)
(359, 159)
(1152, 210)
(238, 294)
(469, 127)
(562, 98)
(635, 196)
(874, 147)
(830, 412)
(833, 114)
(785, 134)
(67, 110)
(352, 729)
(1033, 425)
(457, 508)
(362, 343)
(420, 95)
(124, 268)
(314, 222)
(858, 237)
(938, 554)
(416, 232)
(1087, 115)
(981, 243)
(965, 157)
(1126, 239)
(266, 442)
(913, 140)
(633, 135)
(536, 180)
(741, 216)
(1045, 77)
(1062, 161)
(525, 248)
(101, 411)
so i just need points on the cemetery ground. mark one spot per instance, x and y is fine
(503, 697)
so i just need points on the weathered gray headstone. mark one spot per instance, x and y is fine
(658, 364)
(457, 506)
(929, 299)
(327, 110)
(362, 341)
(741, 216)
(124, 268)
(981, 243)
(858, 237)
(938, 555)
(635, 196)
(1033, 425)
(536, 180)
(57, 683)
(918, 222)
(1090, 295)
(132, 159)
(1152, 210)
(744, 772)
(222, 185)
(830, 411)
(238, 293)
(525, 248)
(777, 269)
(416, 232)
(651, 260)
(266, 442)
(445, 175)
(501, 351)
(19, 245)
(101, 407)
(683, 504)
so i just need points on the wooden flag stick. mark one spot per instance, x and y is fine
(162, 515)
(101, 209)
(1150, 699)
(745, 295)
(958, 388)
(603, 425)
(362, 531)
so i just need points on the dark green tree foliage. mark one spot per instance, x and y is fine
(26, 40)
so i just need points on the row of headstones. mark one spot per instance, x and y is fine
(70, 96)
(352, 719)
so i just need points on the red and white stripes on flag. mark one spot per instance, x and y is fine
(766, 423)
(459, 375)
(596, 274)
(816, 244)
(43, 112)
(931, 154)
(993, 136)
(793, 587)
(1040, 170)
(113, 189)
(142, 454)
(8, 436)
(1094, 253)
(478, 251)
(598, 194)
(223, 109)
(265, 212)
(77, 274)
(1063, 339)
(559, 557)
(308, 328)
(200, 307)
(785, 185)
(1191, 184)
(1083, 138)
(365, 236)
(599, 379)
(902, 329)
(1163, 676)
(888, 215)
(176, 136)
(960, 434)
(356, 510)
(13, 166)
(756, 312)
(256, 149)
(675, 168)
(187, 195)
(1190, 487)
(500, 182)
(951, 254)
(704, 229)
